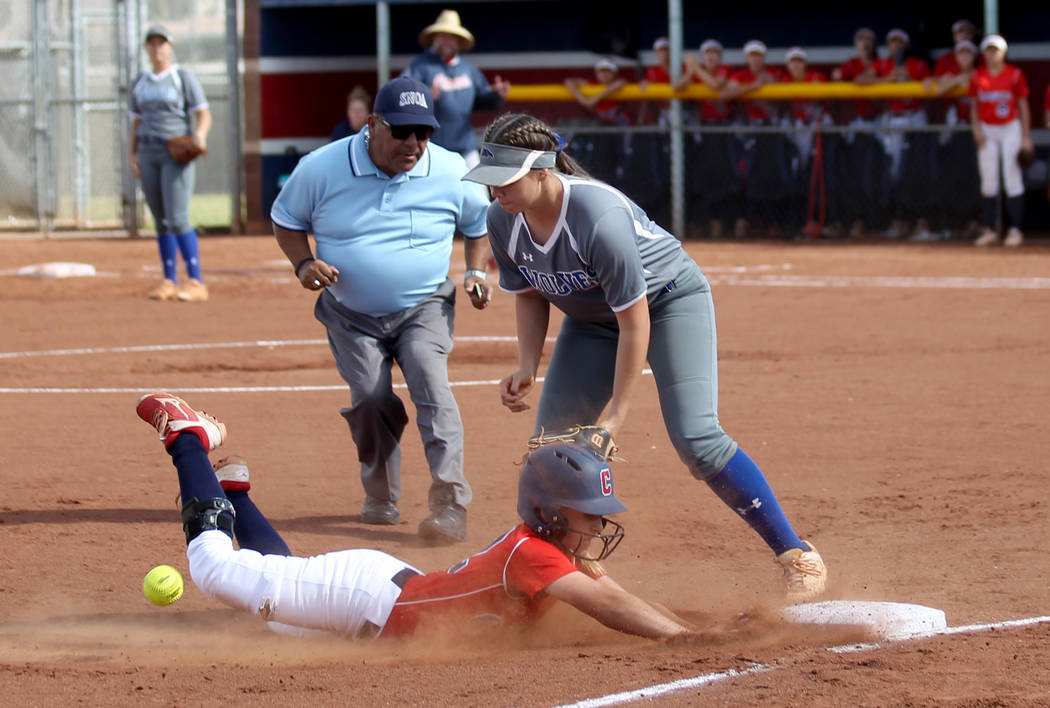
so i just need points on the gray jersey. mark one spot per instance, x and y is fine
(604, 255)
(164, 102)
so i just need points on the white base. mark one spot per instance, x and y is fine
(58, 270)
(889, 620)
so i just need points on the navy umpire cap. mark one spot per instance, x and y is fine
(406, 101)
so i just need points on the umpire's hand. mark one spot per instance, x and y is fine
(317, 274)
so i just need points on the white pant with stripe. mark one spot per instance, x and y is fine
(1001, 145)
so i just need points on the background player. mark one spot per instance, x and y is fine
(629, 291)
(564, 494)
(163, 105)
(1002, 128)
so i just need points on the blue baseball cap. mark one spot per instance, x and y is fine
(406, 101)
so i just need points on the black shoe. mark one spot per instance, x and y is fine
(448, 525)
(380, 512)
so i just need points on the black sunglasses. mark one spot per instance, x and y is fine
(401, 132)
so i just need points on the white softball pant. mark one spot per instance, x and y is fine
(1001, 145)
(339, 592)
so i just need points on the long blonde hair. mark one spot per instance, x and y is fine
(524, 131)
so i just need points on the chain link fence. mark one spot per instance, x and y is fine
(67, 66)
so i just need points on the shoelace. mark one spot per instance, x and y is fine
(798, 569)
(160, 421)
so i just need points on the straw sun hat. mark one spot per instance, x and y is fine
(448, 22)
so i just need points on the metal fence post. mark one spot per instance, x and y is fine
(233, 127)
(674, 35)
(43, 165)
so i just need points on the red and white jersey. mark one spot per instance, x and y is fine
(757, 111)
(657, 75)
(502, 585)
(961, 105)
(997, 95)
(806, 110)
(609, 111)
(917, 71)
(850, 70)
(716, 111)
(947, 65)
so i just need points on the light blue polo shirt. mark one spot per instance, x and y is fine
(390, 237)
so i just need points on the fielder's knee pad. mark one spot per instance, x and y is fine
(199, 516)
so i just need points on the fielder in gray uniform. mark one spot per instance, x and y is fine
(163, 103)
(629, 292)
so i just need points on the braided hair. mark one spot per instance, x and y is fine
(524, 131)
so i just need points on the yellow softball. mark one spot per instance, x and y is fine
(162, 585)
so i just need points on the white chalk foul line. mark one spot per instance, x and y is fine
(661, 689)
(877, 281)
(262, 343)
(238, 389)
(614, 699)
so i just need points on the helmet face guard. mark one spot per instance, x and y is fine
(610, 540)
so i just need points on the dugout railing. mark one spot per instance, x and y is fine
(886, 177)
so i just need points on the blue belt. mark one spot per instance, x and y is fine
(152, 139)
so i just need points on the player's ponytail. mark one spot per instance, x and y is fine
(524, 131)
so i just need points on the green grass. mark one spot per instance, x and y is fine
(206, 210)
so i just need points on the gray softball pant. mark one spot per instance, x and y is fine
(420, 340)
(167, 185)
(683, 354)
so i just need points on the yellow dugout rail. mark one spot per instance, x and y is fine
(833, 90)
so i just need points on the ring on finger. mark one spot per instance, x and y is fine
(317, 283)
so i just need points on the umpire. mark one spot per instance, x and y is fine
(383, 206)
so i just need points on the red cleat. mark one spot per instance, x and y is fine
(172, 416)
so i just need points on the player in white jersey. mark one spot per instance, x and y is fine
(629, 292)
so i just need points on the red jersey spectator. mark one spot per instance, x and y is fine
(861, 69)
(898, 66)
(948, 64)
(710, 71)
(805, 110)
(714, 172)
(605, 74)
(755, 75)
(904, 113)
(1002, 123)
(953, 75)
(659, 74)
(767, 176)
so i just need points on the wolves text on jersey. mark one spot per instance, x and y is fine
(560, 283)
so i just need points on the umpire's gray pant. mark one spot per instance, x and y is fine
(167, 186)
(420, 340)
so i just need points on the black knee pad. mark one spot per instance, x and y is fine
(199, 516)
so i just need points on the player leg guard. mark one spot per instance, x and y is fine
(190, 253)
(743, 487)
(168, 246)
(211, 514)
